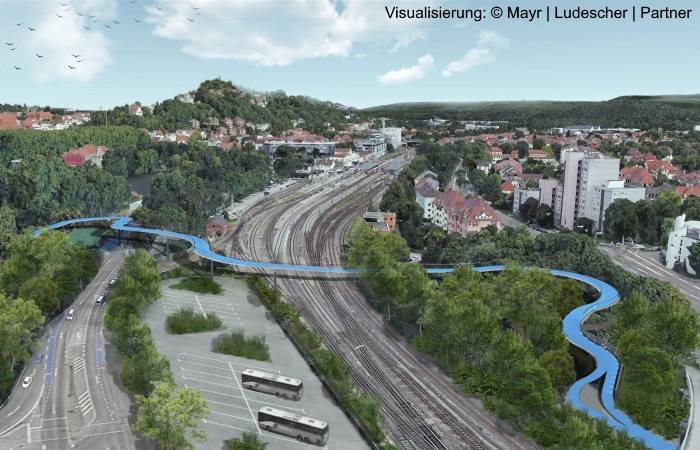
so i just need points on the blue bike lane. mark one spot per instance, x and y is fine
(607, 365)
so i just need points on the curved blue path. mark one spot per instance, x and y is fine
(607, 364)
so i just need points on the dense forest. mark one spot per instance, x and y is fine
(677, 113)
(500, 337)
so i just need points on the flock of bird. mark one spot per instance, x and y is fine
(93, 20)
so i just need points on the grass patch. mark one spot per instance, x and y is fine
(199, 285)
(253, 347)
(187, 321)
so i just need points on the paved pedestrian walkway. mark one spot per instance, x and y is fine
(692, 437)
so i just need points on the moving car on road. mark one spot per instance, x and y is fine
(27, 381)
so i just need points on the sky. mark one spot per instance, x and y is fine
(92, 54)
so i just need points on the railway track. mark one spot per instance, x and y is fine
(414, 417)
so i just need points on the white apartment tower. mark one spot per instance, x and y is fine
(574, 199)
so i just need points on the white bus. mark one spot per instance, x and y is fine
(304, 429)
(269, 383)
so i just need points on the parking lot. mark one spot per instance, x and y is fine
(218, 376)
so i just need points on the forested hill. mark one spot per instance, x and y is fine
(221, 99)
(670, 112)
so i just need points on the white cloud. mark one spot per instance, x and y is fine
(492, 40)
(271, 33)
(407, 74)
(488, 43)
(56, 39)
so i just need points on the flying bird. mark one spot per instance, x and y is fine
(137, 21)
(132, 1)
(63, 4)
(75, 56)
(107, 26)
(18, 24)
(92, 17)
(81, 15)
(195, 8)
(87, 28)
(14, 48)
(191, 20)
(80, 60)
(18, 68)
(59, 16)
(67, 9)
(39, 56)
(10, 43)
(32, 29)
(71, 67)
(199, 14)
(115, 22)
(159, 9)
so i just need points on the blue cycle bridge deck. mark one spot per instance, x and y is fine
(607, 365)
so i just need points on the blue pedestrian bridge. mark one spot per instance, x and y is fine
(607, 365)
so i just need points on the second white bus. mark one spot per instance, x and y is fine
(304, 429)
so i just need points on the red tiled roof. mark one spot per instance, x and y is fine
(8, 121)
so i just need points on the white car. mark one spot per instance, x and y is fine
(27, 381)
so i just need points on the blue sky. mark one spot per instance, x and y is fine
(346, 51)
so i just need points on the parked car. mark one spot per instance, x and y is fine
(38, 358)
(27, 381)
(112, 281)
(100, 299)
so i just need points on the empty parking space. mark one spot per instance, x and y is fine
(173, 300)
(218, 377)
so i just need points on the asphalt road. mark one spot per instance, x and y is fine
(648, 264)
(72, 401)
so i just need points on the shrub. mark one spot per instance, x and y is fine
(199, 285)
(253, 347)
(186, 320)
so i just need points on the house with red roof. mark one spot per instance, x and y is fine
(9, 121)
(636, 175)
(455, 214)
(86, 153)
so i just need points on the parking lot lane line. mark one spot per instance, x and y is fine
(200, 305)
(228, 377)
(255, 419)
(217, 360)
(205, 381)
(184, 361)
(215, 392)
(230, 415)
(228, 405)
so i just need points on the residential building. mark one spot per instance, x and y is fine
(455, 214)
(375, 146)
(392, 135)
(683, 235)
(426, 194)
(217, 226)
(136, 110)
(636, 175)
(574, 198)
(520, 196)
(604, 195)
(382, 222)
(545, 193)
